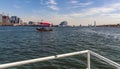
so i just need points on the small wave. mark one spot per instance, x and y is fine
(106, 33)
(109, 35)
(88, 30)
(4, 30)
(49, 67)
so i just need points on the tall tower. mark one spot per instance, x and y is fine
(94, 23)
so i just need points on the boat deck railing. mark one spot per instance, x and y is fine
(88, 52)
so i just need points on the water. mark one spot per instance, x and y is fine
(21, 43)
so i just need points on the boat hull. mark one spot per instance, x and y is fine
(43, 30)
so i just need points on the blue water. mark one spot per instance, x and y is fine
(22, 43)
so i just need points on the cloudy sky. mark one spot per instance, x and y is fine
(76, 12)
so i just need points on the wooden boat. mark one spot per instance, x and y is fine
(43, 30)
(43, 27)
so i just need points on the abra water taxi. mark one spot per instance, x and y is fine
(45, 26)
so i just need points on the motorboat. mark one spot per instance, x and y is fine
(43, 30)
(45, 26)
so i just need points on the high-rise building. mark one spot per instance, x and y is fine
(15, 20)
(0, 17)
(94, 23)
(5, 19)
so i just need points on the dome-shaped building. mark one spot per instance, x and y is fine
(63, 24)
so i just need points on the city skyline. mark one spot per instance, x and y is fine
(76, 12)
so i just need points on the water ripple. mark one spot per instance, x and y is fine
(21, 43)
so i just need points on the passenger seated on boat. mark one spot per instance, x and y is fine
(43, 28)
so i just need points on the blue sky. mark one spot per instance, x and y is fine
(76, 12)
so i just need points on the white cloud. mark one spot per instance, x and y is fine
(112, 15)
(77, 3)
(52, 2)
(98, 10)
(53, 7)
(85, 4)
(103, 10)
(73, 1)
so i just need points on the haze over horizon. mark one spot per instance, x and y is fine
(76, 12)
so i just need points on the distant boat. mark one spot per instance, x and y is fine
(43, 25)
(43, 30)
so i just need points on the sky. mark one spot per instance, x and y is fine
(75, 12)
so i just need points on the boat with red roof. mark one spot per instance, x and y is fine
(44, 26)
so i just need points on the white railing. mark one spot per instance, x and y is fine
(88, 52)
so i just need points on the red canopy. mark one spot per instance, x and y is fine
(45, 23)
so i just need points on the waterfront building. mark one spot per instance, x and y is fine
(30, 22)
(63, 24)
(0, 17)
(21, 22)
(15, 20)
(5, 19)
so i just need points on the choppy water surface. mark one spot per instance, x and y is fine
(21, 43)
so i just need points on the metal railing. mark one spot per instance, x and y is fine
(88, 52)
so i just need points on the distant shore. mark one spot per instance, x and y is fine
(5, 24)
(10, 24)
(110, 25)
